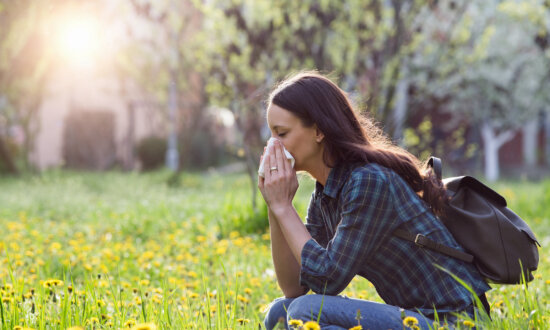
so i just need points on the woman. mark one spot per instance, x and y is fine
(366, 188)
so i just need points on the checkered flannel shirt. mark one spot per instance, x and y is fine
(351, 220)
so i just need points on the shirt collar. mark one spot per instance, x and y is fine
(336, 179)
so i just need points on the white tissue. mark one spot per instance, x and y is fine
(269, 144)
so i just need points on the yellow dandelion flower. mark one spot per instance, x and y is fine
(144, 326)
(92, 320)
(311, 325)
(357, 327)
(144, 282)
(295, 323)
(469, 324)
(248, 291)
(409, 321)
(130, 323)
(75, 328)
(243, 321)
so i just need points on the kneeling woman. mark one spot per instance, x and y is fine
(366, 188)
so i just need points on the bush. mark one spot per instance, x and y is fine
(151, 152)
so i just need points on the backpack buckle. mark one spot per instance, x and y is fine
(420, 240)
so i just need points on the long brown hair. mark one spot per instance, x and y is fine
(350, 137)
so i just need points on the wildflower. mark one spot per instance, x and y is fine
(295, 323)
(144, 326)
(243, 321)
(409, 321)
(157, 299)
(75, 328)
(469, 324)
(92, 320)
(311, 325)
(130, 323)
(357, 327)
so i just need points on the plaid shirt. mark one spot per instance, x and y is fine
(351, 221)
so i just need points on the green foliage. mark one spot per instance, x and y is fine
(489, 63)
(151, 152)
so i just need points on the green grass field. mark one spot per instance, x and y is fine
(112, 250)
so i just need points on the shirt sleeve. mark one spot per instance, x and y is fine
(314, 223)
(367, 219)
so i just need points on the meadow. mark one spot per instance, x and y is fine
(144, 251)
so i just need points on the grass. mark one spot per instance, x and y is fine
(112, 250)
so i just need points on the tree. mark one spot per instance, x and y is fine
(159, 60)
(486, 70)
(24, 67)
(248, 45)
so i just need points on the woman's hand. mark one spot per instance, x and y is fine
(280, 183)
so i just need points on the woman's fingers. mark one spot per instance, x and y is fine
(272, 164)
(279, 155)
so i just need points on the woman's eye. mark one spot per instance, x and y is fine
(282, 134)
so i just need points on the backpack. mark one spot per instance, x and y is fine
(496, 240)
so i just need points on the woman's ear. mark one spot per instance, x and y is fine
(319, 136)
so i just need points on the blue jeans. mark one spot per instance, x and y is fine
(339, 312)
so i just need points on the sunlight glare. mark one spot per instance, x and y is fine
(78, 41)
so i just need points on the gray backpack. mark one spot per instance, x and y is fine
(495, 239)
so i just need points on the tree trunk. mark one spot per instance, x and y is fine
(400, 109)
(530, 132)
(547, 136)
(492, 143)
(6, 158)
(249, 124)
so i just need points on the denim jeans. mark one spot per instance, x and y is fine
(340, 312)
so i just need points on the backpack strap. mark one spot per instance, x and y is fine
(435, 164)
(424, 241)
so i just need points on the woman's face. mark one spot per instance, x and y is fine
(304, 143)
